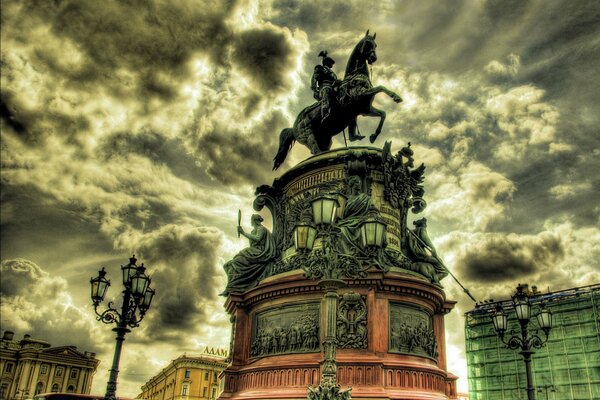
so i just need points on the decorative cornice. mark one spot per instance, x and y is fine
(392, 282)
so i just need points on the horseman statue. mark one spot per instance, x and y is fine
(323, 82)
(340, 103)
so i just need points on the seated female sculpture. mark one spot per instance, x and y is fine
(422, 251)
(356, 210)
(246, 268)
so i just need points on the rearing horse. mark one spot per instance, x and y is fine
(353, 97)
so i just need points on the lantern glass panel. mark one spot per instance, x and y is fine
(128, 271)
(147, 299)
(380, 239)
(500, 321)
(99, 286)
(523, 309)
(324, 209)
(544, 318)
(139, 284)
(372, 233)
(304, 237)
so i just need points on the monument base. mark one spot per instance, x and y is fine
(390, 365)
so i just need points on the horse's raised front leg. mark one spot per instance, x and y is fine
(352, 131)
(378, 89)
(375, 112)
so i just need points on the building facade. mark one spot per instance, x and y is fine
(31, 366)
(188, 378)
(567, 368)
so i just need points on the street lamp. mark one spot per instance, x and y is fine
(137, 298)
(525, 342)
(329, 264)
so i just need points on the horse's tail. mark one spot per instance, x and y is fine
(286, 140)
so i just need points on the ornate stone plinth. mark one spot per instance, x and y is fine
(388, 322)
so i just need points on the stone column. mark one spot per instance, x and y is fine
(329, 389)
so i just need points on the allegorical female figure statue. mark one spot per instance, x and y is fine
(421, 248)
(356, 210)
(246, 268)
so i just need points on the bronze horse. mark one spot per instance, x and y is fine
(353, 97)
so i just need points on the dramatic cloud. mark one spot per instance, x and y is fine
(498, 257)
(33, 301)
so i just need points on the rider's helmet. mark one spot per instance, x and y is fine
(327, 61)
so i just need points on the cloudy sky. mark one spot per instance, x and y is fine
(142, 127)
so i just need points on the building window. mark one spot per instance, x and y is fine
(8, 367)
(39, 388)
(187, 373)
(59, 371)
(3, 390)
(55, 388)
(203, 392)
(44, 369)
(184, 391)
(206, 375)
(74, 373)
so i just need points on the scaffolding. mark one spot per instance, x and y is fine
(567, 368)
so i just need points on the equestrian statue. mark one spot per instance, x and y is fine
(340, 103)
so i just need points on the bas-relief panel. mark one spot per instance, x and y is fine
(286, 329)
(411, 331)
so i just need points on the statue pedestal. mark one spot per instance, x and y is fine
(384, 369)
(389, 317)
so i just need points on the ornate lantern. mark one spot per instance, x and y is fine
(139, 282)
(500, 320)
(129, 270)
(372, 233)
(521, 304)
(99, 286)
(544, 318)
(147, 299)
(304, 237)
(324, 209)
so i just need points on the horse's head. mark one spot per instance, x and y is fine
(363, 54)
(368, 47)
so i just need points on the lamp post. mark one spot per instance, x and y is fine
(526, 342)
(329, 265)
(137, 297)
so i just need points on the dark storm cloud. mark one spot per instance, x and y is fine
(157, 147)
(11, 119)
(237, 154)
(136, 35)
(497, 257)
(314, 15)
(182, 262)
(266, 55)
